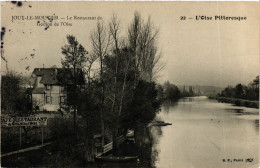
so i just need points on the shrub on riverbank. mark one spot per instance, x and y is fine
(249, 92)
(169, 92)
(241, 95)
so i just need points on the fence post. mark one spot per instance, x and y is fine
(20, 139)
(42, 135)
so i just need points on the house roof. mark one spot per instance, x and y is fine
(41, 71)
(29, 91)
(38, 91)
(58, 75)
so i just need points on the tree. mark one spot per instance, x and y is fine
(75, 60)
(249, 92)
(131, 61)
(239, 91)
(228, 92)
(134, 31)
(13, 98)
(142, 39)
(252, 91)
(123, 63)
(100, 46)
(171, 92)
(144, 106)
(14, 101)
(256, 82)
(114, 28)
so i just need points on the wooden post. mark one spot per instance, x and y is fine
(92, 151)
(42, 135)
(20, 142)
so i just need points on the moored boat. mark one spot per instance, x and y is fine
(130, 134)
(162, 124)
(159, 123)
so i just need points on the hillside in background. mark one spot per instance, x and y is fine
(201, 90)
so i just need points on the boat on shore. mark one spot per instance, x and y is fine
(159, 123)
(130, 134)
(162, 124)
(116, 158)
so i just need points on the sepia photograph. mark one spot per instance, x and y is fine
(130, 84)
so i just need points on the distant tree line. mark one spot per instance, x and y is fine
(170, 92)
(188, 93)
(247, 92)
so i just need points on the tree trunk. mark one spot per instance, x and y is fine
(74, 117)
(74, 101)
(123, 91)
(102, 123)
(115, 143)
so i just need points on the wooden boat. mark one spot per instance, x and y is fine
(130, 134)
(161, 124)
(116, 158)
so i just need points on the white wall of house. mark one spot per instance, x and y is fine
(51, 100)
(50, 107)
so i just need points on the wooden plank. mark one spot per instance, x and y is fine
(107, 147)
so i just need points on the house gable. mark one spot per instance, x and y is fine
(49, 91)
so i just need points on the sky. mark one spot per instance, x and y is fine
(195, 52)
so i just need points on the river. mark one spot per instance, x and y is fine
(204, 134)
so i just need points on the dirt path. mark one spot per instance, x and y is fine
(25, 149)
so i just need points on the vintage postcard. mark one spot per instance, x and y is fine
(130, 84)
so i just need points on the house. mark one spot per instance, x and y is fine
(51, 87)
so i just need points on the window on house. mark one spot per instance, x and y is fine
(48, 87)
(48, 99)
(37, 108)
(62, 99)
(62, 89)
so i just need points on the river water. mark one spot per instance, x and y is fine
(205, 134)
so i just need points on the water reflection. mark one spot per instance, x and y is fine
(144, 142)
(166, 106)
(204, 132)
(240, 111)
(147, 139)
(235, 110)
(256, 122)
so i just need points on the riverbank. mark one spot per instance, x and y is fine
(50, 157)
(237, 102)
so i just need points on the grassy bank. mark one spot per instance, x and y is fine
(237, 102)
